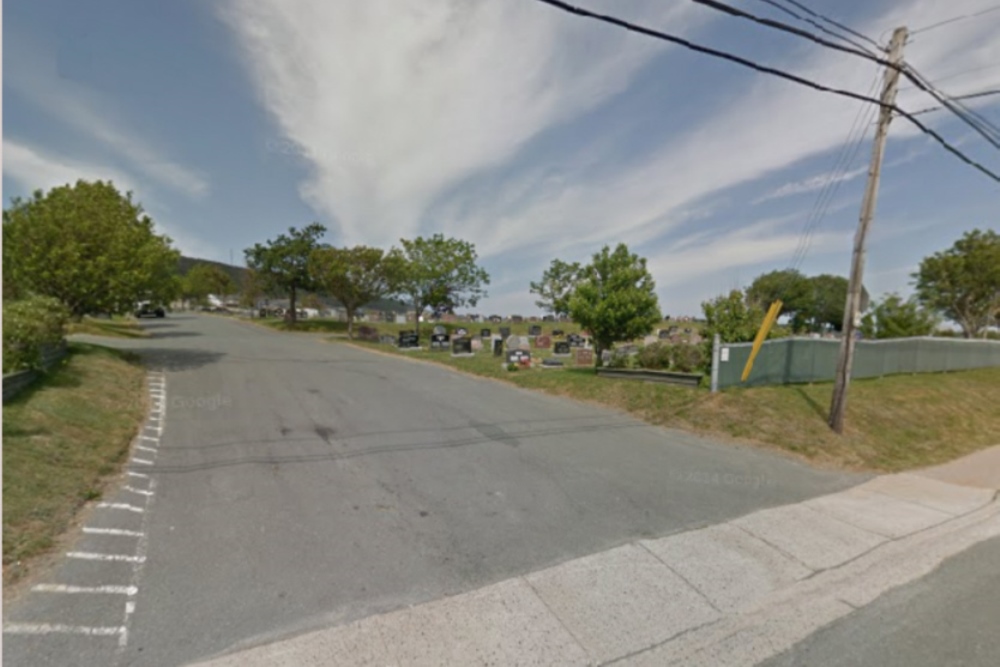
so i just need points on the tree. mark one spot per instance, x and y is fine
(88, 246)
(735, 320)
(794, 289)
(556, 287)
(251, 289)
(963, 282)
(828, 300)
(354, 276)
(204, 279)
(439, 273)
(284, 262)
(615, 298)
(895, 318)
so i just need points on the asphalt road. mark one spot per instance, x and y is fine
(950, 618)
(301, 483)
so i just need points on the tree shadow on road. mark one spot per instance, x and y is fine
(173, 359)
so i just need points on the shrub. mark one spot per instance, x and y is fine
(618, 359)
(655, 356)
(28, 326)
(686, 358)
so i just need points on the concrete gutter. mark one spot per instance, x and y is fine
(735, 593)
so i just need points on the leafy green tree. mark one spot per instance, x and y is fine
(895, 318)
(829, 298)
(735, 320)
(794, 289)
(963, 282)
(439, 273)
(29, 325)
(556, 286)
(354, 276)
(88, 246)
(615, 298)
(284, 262)
(251, 289)
(204, 279)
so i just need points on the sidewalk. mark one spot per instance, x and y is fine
(730, 594)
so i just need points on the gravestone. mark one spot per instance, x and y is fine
(518, 343)
(519, 357)
(543, 342)
(534, 330)
(438, 329)
(485, 333)
(584, 356)
(516, 319)
(477, 344)
(387, 340)
(687, 330)
(498, 347)
(664, 334)
(505, 332)
(551, 363)
(549, 318)
(439, 341)
(557, 333)
(408, 340)
(496, 319)
(574, 340)
(561, 349)
(462, 332)
(461, 347)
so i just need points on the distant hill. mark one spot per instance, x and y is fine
(237, 273)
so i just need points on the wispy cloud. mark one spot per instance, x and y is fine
(35, 79)
(34, 169)
(811, 184)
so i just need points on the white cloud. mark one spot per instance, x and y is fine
(425, 93)
(424, 96)
(35, 79)
(810, 184)
(35, 169)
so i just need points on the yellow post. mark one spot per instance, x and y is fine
(769, 320)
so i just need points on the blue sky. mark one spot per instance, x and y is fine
(530, 132)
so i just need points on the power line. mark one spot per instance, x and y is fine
(953, 20)
(904, 69)
(835, 23)
(985, 93)
(818, 25)
(848, 152)
(957, 109)
(649, 32)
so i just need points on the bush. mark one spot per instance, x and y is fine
(28, 326)
(655, 356)
(618, 359)
(686, 358)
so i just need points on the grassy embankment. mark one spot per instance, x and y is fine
(63, 439)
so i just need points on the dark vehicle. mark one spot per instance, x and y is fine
(147, 309)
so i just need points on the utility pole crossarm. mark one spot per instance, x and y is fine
(845, 360)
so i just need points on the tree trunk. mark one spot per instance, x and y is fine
(350, 323)
(598, 355)
(417, 308)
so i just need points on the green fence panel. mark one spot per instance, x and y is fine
(798, 360)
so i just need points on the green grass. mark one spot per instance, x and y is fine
(894, 423)
(62, 439)
(117, 328)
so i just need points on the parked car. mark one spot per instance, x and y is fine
(148, 309)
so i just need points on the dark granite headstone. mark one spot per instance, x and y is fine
(461, 346)
(561, 348)
(440, 341)
(557, 333)
(534, 330)
(504, 332)
(485, 333)
(498, 347)
(408, 340)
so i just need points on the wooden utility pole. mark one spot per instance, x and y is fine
(845, 360)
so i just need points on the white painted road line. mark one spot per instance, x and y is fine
(120, 506)
(48, 628)
(136, 474)
(121, 558)
(146, 449)
(143, 462)
(107, 590)
(148, 437)
(111, 531)
(139, 491)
